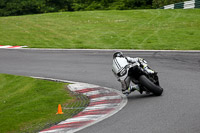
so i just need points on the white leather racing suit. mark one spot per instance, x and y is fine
(119, 64)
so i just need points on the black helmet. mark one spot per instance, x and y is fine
(118, 54)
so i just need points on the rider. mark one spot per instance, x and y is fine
(119, 67)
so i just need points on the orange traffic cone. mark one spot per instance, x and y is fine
(59, 110)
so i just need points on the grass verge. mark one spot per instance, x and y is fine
(132, 29)
(30, 105)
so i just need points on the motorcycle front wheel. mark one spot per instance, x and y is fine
(155, 89)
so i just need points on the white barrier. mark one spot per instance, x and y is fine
(183, 5)
(189, 4)
(169, 6)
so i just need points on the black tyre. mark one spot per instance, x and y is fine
(155, 89)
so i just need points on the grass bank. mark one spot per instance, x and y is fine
(30, 105)
(132, 29)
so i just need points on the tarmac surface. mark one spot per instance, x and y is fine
(177, 110)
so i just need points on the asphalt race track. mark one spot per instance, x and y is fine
(176, 111)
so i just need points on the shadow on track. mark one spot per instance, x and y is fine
(134, 97)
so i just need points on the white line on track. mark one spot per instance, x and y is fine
(112, 50)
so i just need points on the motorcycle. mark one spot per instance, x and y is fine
(146, 81)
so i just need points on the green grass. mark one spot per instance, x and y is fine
(30, 105)
(132, 29)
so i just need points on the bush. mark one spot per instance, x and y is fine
(94, 6)
(21, 7)
(119, 5)
(161, 3)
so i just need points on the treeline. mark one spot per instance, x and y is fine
(22, 7)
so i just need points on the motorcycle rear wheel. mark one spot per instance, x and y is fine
(155, 89)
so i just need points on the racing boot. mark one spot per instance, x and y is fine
(136, 87)
(131, 89)
(126, 92)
